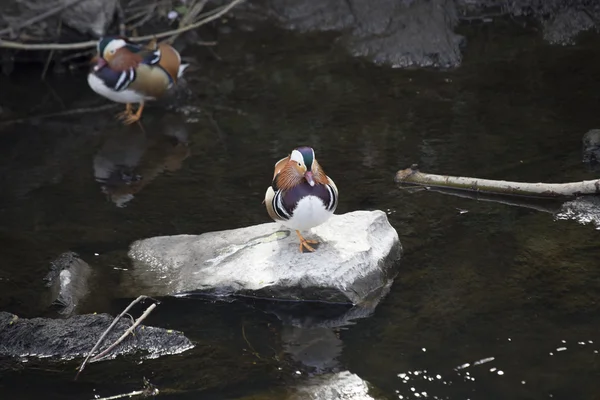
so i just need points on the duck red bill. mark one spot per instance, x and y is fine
(99, 61)
(308, 175)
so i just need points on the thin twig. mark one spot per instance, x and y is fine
(92, 43)
(546, 205)
(121, 16)
(55, 95)
(60, 114)
(215, 55)
(204, 21)
(40, 17)
(79, 54)
(117, 318)
(47, 64)
(147, 9)
(138, 321)
(190, 16)
(222, 136)
(149, 390)
(146, 17)
(248, 343)
(49, 59)
(120, 396)
(7, 44)
(132, 6)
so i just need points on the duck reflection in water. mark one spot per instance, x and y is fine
(130, 158)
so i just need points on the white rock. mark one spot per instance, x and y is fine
(354, 262)
(341, 386)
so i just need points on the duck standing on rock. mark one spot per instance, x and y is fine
(126, 72)
(301, 196)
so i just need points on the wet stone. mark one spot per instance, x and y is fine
(398, 33)
(354, 263)
(76, 336)
(411, 33)
(591, 148)
(342, 385)
(68, 282)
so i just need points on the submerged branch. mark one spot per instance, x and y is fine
(413, 176)
(84, 110)
(123, 395)
(149, 391)
(551, 206)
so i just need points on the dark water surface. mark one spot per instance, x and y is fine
(497, 282)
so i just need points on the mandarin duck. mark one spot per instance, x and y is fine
(126, 72)
(301, 196)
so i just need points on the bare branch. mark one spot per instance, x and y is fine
(92, 43)
(117, 318)
(138, 321)
(545, 190)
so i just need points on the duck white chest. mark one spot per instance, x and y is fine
(309, 212)
(124, 96)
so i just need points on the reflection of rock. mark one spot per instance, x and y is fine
(75, 336)
(563, 27)
(309, 328)
(131, 159)
(317, 348)
(591, 148)
(68, 281)
(585, 210)
(341, 386)
(561, 20)
(321, 315)
(354, 262)
(44, 162)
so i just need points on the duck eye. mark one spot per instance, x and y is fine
(299, 164)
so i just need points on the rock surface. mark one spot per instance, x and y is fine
(561, 20)
(400, 33)
(591, 149)
(68, 282)
(75, 336)
(87, 16)
(421, 33)
(354, 263)
(90, 16)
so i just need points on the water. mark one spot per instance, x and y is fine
(506, 290)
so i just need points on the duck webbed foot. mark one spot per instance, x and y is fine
(305, 243)
(128, 117)
(125, 114)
